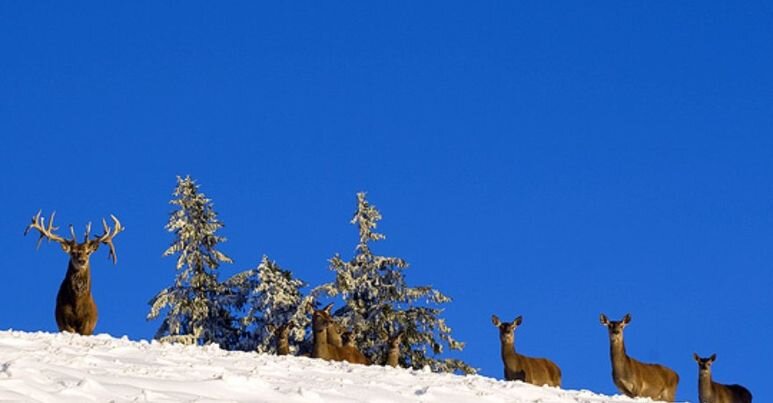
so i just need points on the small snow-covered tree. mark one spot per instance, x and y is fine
(196, 305)
(378, 303)
(272, 299)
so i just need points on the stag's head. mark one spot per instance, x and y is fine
(704, 364)
(615, 327)
(506, 330)
(79, 252)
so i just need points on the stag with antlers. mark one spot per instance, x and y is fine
(75, 308)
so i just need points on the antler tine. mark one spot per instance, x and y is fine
(107, 237)
(72, 233)
(88, 232)
(35, 219)
(39, 223)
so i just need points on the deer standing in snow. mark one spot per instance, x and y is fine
(537, 371)
(75, 308)
(393, 350)
(634, 378)
(713, 392)
(281, 338)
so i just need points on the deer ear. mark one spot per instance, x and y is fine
(518, 320)
(713, 358)
(696, 357)
(495, 320)
(93, 246)
(603, 319)
(66, 246)
(328, 308)
(627, 318)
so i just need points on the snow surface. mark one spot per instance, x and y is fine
(62, 367)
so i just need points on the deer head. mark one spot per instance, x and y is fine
(615, 327)
(394, 341)
(320, 319)
(79, 252)
(704, 364)
(506, 330)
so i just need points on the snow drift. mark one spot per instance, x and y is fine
(44, 367)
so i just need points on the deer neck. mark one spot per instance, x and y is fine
(704, 386)
(320, 348)
(79, 280)
(618, 355)
(508, 350)
(282, 346)
(393, 357)
(333, 336)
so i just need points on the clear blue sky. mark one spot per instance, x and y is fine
(550, 159)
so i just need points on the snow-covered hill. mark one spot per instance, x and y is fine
(44, 367)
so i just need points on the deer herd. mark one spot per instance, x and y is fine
(76, 312)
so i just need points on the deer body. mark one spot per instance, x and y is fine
(634, 378)
(714, 392)
(75, 308)
(518, 367)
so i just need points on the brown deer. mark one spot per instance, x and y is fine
(713, 392)
(281, 339)
(634, 378)
(393, 350)
(75, 308)
(349, 351)
(537, 371)
(321, 321)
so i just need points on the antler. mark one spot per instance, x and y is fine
(39, 224)
(107, 237)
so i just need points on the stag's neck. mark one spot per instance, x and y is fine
(619, 357)
(705, 386)
(79, 279)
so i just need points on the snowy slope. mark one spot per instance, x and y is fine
(46, 367)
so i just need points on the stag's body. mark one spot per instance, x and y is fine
(713, 392)
(634, 378)
(75, 308)
(518, 367)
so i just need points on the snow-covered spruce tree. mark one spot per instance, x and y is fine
(198, 305)
(378, 303)
(271, 299)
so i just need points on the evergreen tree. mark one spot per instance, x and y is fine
(272, 299)
(197, 302)
(379, 303)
